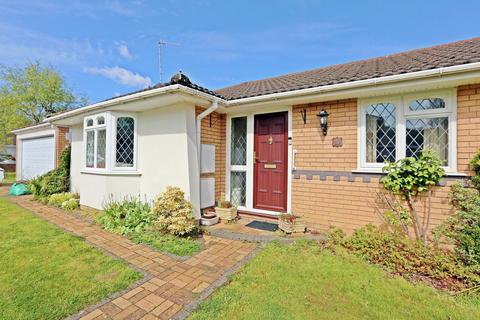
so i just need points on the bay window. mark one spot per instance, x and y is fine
(392, 128)
(110, 142)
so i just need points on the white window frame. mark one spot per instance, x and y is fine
(238, 168)
(113, 160)
(402, 114)
(94, 128)
(110, 126)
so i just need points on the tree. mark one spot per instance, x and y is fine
(407, 179)
(36, 91)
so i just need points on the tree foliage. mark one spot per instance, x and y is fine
(409, 177)
(28, 94)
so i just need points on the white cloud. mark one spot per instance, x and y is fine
(122, 76)
(124, 51)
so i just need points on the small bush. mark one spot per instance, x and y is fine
(463, 228)
(58, 199)
(173, 214)
(126, 217)
(406, 179)
(54, 181)
(412, 259)
(475, 164)
(71, 204)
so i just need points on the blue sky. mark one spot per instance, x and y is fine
(106, 48)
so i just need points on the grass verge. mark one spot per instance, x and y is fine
(167, 243)
(301, 282)
(49, 274)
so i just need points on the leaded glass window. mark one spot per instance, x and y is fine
(101, 148)
(239, 141)
(238, 188)
(427, 134)
(426, 104)
(125, 140)
(90, 149)
(403, 126)
(380, 132)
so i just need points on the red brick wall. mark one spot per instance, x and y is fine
(468, 125)
(61, 142)
(213, 131)
(349, 201)
(314, 150)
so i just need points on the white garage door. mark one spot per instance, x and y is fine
(37, 156)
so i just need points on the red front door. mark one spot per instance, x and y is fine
(270, 163)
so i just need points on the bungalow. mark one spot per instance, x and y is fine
(311, 142)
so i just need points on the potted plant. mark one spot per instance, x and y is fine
(291, 223)
(208, 218)
(225, 210)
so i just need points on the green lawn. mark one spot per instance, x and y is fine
(300, 282)
(168, 243)
(46, 273)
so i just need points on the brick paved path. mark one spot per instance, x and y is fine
(173, 283)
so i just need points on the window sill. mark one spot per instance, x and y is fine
(379, 172)
(111, 173)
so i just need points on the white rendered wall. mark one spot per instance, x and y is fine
(166, 157)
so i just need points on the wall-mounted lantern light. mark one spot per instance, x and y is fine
(323, 115)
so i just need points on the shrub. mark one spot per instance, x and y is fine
(71, 204)
(411, 259)
(463, 228)
(59, 198)
(54, 181)
(173, 214)
(475, 164)
(126, 217)
(407, 178)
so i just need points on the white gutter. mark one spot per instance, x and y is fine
(439, 72)
(34, 127)
(134, 97)
(199, 118)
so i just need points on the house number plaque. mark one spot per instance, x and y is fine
(337, 142)
(270, 166)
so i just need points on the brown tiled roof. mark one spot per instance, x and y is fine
(446, 55)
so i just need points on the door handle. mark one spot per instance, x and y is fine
(254, 157)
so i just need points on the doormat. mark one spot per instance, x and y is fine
(262, 225)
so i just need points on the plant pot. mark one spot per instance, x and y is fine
(208, 221)
(295, 226)
(209, 214)
(227, 214)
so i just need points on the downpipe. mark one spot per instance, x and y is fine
(213, 107)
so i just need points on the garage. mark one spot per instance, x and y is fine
(38, 156)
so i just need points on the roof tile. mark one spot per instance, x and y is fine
(451, 54)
